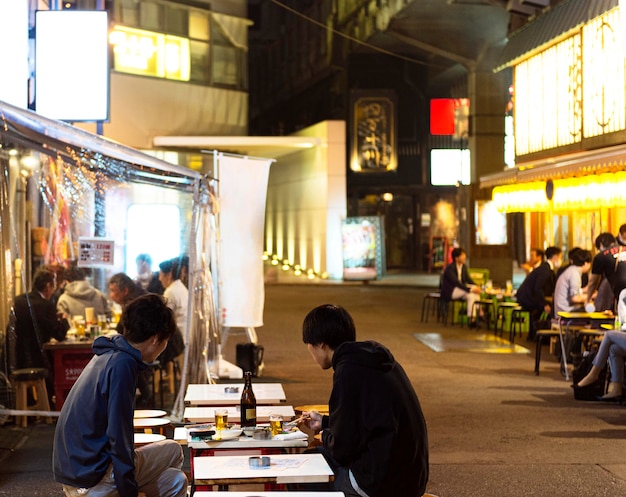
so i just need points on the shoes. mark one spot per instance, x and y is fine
(473, 324)
(591, 377)
(615, 391)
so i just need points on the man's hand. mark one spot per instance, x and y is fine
(311, 424)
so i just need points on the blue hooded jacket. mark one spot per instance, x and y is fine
(95, 427)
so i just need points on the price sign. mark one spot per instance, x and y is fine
(94, 252)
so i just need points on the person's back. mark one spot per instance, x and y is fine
(376, 426)
(79, 294)
(375, 436)
(36, 321)
(93, 451)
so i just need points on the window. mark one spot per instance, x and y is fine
(198, 25)
(199, 54)
(151, 16)
(153, 229)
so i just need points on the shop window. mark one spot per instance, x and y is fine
(199, 54)
(176, 21)
(151, 16)
(198, 25)
(225, 66)
(152, 229)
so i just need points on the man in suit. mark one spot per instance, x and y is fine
(456, 283)
(37, 322)
(538, 285)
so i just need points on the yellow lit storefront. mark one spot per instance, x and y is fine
(570, 126)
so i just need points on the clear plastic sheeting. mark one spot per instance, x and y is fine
(77, 184)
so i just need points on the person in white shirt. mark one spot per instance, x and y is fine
(176, 293)
(569, 295)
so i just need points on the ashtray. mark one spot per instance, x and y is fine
(231, 389)
(256, 462)
(261, 434)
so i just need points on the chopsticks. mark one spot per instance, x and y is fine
(294, 422)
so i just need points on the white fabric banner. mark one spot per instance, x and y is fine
(242, 196)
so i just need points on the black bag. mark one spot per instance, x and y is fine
(250, 357)
(596, 389)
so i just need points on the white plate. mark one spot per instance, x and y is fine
(149, 413)
(147, 438)
(230, 434)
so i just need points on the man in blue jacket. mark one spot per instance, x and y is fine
(375, 436)
(93, 452)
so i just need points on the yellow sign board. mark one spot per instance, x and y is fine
(147, 53)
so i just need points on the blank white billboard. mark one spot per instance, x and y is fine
(72, 65)
(14, 52)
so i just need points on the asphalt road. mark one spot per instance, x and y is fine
(495, 428)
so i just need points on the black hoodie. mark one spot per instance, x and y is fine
(376, 427)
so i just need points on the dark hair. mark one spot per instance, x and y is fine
(74, 273)
(329, 324)
(572, 251)
(42, 277)
(457, 252)
(539, 252)
(622, 229)
(147, 316)
(580, 257)
(605, 240)
(144, 258)
(123, 282)
(552, 251)
(169, 266)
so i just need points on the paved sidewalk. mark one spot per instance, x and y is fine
(495, 429)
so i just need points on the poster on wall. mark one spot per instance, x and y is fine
(363, 248)
(373, 147)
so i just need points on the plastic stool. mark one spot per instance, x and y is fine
(24, 379)
(518, 318)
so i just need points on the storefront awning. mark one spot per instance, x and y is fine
(19, 127)
(553, 24)
(257, 146)
(606, 160)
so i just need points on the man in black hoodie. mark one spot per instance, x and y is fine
(375, 436)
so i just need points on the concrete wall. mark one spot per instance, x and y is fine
(306, 202)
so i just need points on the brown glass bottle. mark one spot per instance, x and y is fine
(248, 402)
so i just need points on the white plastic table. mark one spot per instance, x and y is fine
(218, 395)
(283, 469)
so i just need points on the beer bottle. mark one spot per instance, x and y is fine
(248, 402)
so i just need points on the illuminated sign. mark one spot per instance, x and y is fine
(573, 89)
(148, 53)
(72, 42)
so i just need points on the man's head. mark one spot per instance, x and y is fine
(554, 255)
(168, 272)
(45, 282)
(144, 263)
(459, 256)
(604, 241)
(121, 288)
(536, 255)
(148, 324)
(582, 258)
(622, 232)
(324, 329)
(74, 273)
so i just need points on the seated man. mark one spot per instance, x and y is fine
(538, 285)
(375, 435)
(569, 295)
(93, 452)
(456, 283)
(613, 348)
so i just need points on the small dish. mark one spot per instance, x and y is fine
(229, 434)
